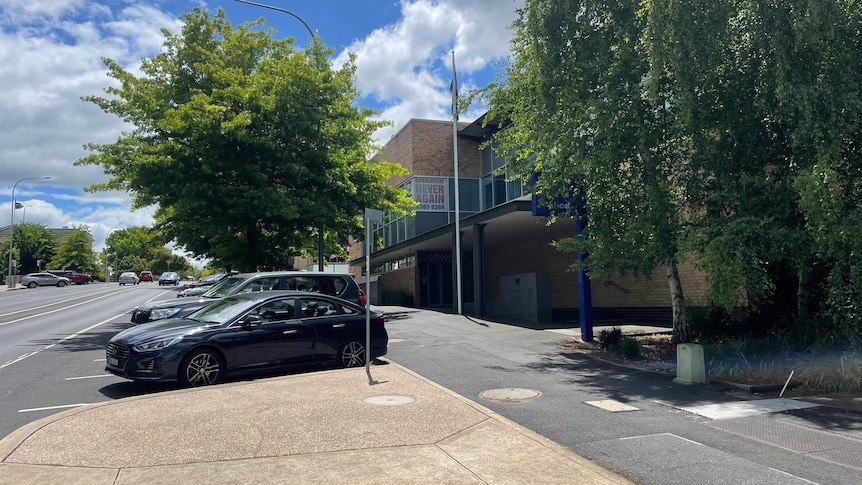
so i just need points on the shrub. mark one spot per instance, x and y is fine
(630, 347)
(711, 322)
(610, 338)
(832, 373)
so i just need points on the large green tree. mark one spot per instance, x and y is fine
(581, 116)
(139, 248)
(75, 252)
(247, 144)
(728, 129)
(32, 248)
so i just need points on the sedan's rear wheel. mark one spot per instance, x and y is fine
(200, 368)
(352, 354)
(32, 284)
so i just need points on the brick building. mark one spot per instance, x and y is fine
(508, 267)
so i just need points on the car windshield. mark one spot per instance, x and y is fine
(224, 287)
(222, 311)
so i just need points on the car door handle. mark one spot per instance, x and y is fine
(290, 331)
(339, 325)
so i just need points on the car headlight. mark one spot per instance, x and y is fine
(156, 344)
(161, 313)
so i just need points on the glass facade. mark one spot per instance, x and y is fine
(397, 229)
(437, 208)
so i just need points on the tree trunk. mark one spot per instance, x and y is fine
(680, 326)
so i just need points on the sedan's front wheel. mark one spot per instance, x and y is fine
(352, 354)
(200, 368)
(61, 284)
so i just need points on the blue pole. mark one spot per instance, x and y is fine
(585, 295)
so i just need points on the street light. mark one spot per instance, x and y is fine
(11, 282)
(297, 17)
(320, 242)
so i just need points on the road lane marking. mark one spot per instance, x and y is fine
(88, 377)
(57, 310)
(51, 408)
(49, 304)
(659, 434)
(74, 335)
(794, 476)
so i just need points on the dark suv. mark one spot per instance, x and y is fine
(340, 285)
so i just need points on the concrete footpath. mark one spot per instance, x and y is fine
(388, 425)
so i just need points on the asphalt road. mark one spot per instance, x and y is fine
(52, 347)
(52, 344)
(653, 443)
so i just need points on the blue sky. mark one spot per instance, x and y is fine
(51, 51)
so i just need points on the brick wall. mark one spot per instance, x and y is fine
(404, 280)
(424, 147)
(538, 256)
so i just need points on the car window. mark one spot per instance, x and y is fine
(332, 285)
(225, 287)
(301, 283)
(261, 284)
(318, 307)
(276, 310)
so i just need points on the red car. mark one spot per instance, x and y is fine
(146, 276)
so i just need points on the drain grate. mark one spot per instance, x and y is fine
(823, 445)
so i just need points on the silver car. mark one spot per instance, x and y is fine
(129, 278)
(33, 280)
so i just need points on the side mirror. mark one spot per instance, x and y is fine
(250, 321)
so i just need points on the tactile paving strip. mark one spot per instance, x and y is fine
(823, 445)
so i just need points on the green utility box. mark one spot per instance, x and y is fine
(690, 368)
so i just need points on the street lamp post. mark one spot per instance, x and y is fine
(11, 282)
(320, 242)
(107, 256)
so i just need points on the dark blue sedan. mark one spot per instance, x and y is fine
(169, 278)
(247, 333)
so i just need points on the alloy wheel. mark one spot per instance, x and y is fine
(202, 369)
(352, 354)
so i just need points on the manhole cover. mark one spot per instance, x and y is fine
(390, 400)
(510, 394)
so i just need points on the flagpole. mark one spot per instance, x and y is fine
(454, 88)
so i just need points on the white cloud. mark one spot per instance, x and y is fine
(50, 56)
(407, 65)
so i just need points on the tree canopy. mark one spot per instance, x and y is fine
(728, 130)
(138, 248)
(75, 252)
(32, 245)
(247, 144)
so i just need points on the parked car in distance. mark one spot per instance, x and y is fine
(334, 284)
(33, 280)
(74, 276)
(247, 333)
(200, 286)
(169, 278)
(128, 278)
(146, 276)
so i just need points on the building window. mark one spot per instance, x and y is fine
(394, 264)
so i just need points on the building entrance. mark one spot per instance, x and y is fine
(435, 284)
(437, 280)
